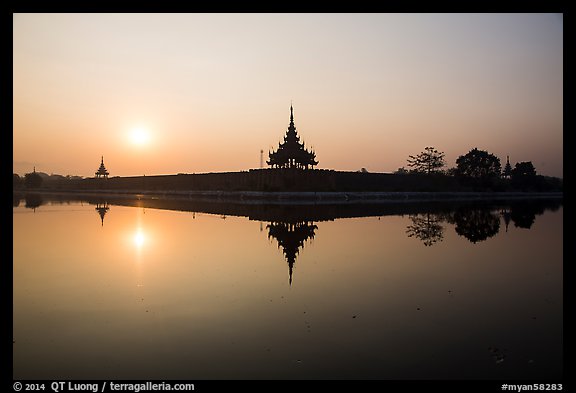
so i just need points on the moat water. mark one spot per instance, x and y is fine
(108, 289)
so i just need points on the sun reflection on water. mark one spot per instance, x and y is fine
(139, 238)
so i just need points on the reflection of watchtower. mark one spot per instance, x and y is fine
(102, 209)
(506, 215)
(291, 236)
(102, 172)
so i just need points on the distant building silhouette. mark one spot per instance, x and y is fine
(102, 172)
(507, 172)
(291, 153)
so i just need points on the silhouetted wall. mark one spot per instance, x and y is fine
(268, 180)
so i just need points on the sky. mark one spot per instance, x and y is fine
(193, 93)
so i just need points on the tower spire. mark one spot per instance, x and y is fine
(507, 172)
(102, 172)
(291, 153)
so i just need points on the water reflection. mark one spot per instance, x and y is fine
(172, 293)
(506, 216)
(475, 225)
(33, 201)
(292, 225)
(426, 227)
(524, 214)
(102, 208)
(139, 238)
(291, 237)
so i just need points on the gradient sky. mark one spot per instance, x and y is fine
(209, 91)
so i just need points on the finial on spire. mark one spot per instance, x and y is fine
(291, 113)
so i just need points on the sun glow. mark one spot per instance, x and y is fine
(139, 136)
(139, 238)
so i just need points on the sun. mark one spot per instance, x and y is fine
(139, 136)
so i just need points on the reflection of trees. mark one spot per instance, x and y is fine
(15, 200)
(524, 214)
(33, 201)
(426, 227)
(476, 224)
(291, 236)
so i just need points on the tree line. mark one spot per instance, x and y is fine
(37, 179)
(481, 169)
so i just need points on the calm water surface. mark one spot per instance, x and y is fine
(124, 290)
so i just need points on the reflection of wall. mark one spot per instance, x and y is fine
(474, 219)
(291, 237)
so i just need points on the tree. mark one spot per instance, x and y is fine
(478, 164)
(428, 161)
(16, 181)
(401, 171)
(523, 170)
(32, 180)
(524, 177)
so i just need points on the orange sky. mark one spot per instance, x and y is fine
(209, 91)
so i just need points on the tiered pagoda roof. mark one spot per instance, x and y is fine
(102, 172)
(291, 153)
